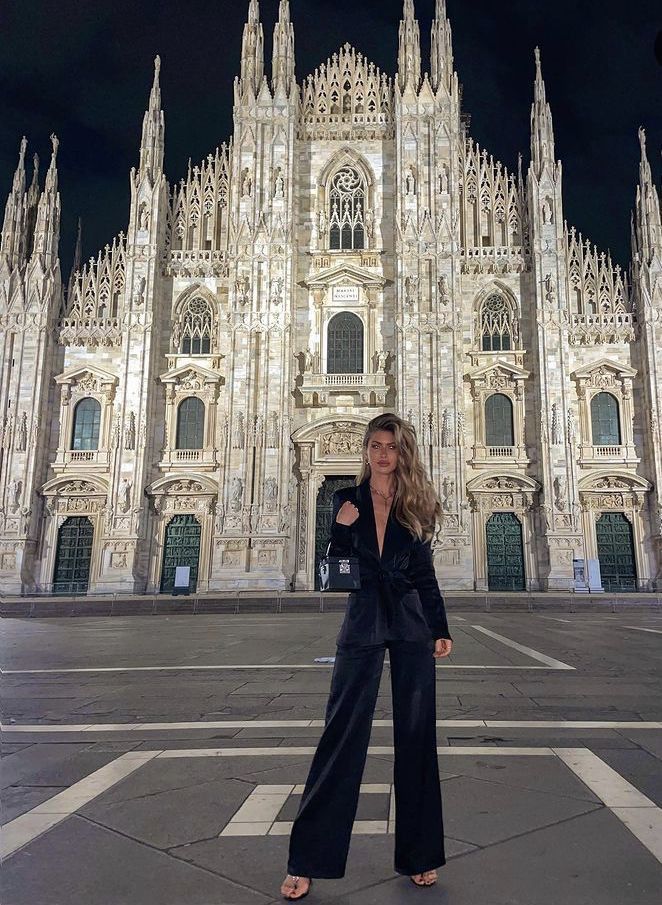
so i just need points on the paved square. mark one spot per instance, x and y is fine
(175, 780)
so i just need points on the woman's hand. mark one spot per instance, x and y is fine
(347, 514)
(442, 647)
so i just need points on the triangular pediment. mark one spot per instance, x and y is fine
(190, 371)
(79, 372)
(345, 275)
(505, 368)
(604, 364)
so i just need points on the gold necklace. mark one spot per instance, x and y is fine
(382, 495)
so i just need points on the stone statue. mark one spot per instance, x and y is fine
(369, 222)
(410, 180)
(126, 487)
(270, 494)
(547, 214)
(237, 494)
(450, 498)
(560, 493)
(308, 361)
(246, 183)
(15, 490)
(22, 433)
(238, 438)
(143, 217)
(279, 186)
(381, 360)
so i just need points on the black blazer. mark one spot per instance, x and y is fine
(399, 597)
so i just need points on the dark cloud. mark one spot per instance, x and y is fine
(83, 70)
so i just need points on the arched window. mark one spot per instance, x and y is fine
(345, 344)
(499, 428)
(605, 421)
(87, 424)
(497, 324)
(347, 204)
(191, 423)
(196, 328)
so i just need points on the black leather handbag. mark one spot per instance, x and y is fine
(339, 573)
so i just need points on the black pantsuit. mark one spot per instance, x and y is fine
(387, 613)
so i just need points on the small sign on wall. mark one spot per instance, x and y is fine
(345, 293)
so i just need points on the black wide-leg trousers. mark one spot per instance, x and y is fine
(321, 834)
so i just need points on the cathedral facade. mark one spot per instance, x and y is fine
(197, 391)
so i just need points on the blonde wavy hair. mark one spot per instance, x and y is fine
(416, 502)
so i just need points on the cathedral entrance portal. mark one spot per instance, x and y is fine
(73, 556)
(505, 553)
(616, 552)
(181, 548)
(323, 515)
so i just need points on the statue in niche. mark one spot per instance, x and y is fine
(547, 213)
(572, 430)
(450, 497)
(279, 184)
(560, 494)
(270, 494)
(126, 487)
(22, 433)
(15, 490)
(220, 517)
(411, 290)
(410, 180)
(139, 296)
(176, 334)
(443, 291)
(369, 222)
(130, 435)
(238, 438)
(143, 216)
(308, 361)
(237, 494)
(381, 360)
(322, 222)
(246, 183)
(443, 180)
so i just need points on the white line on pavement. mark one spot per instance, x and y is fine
(506, 751)
(639, 814)
(18, 832)
(304, 724)
(529, 651)
(104, 669)
(640, 628)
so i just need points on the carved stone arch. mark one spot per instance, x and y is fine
(513, 314)
(346, 156)
(185, 321)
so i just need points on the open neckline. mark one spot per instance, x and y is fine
(380, 555)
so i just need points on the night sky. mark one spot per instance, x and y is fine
(84, 70)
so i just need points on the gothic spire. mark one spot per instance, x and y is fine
(647, 232)
(409, 56)
(441, 58)
(542, 128)
(283, 56)
(252, 52)
(47, 227)
(12, 229)
(78, 259)
(153, 138)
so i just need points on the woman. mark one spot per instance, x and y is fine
(387, 520)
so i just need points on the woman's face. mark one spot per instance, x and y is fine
(382, 453)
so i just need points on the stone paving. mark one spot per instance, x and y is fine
(160, 761)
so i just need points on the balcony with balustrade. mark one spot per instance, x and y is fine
(328, 389)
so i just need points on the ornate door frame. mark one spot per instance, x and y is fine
(499, 492)
(617, 492)
(192, 495)
(330, 446)
(83, 495)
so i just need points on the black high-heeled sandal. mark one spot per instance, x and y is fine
(296, 880)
